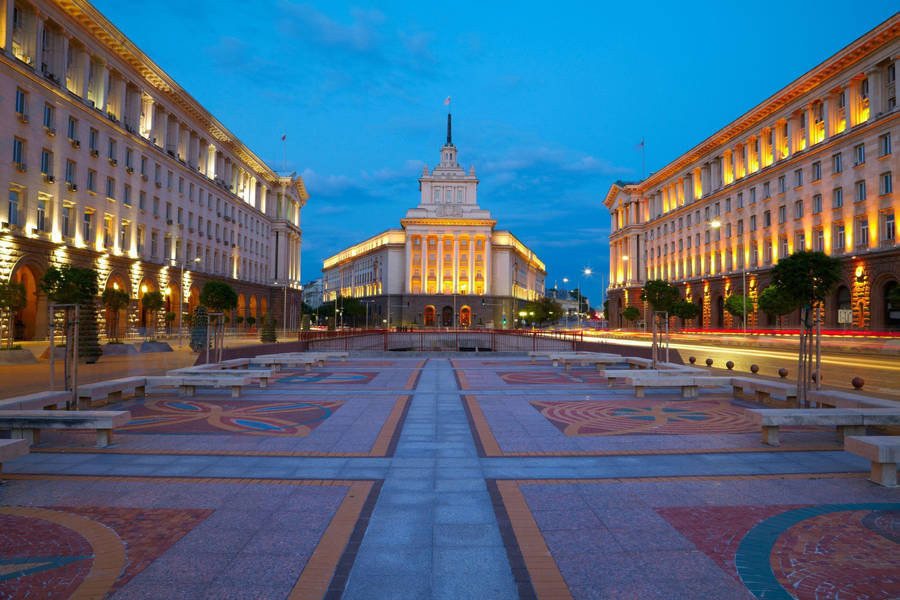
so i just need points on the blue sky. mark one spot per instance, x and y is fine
(548, 105)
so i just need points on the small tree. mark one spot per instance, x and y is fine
(239, 320)
(304, 322)
(12, 300)
(632, 313)
(169, 318)
(70, 285)
(735, 304)
(774, 302)
(685, 310)
(251, 321)
(88, 339)
(218, 296)
(807, 278)
(199, 332)
(267, 332)
(152, 302)
(661, 295)
(114, 300)
(606, 309)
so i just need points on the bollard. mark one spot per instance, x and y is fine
(729, 365)
(782, 372)
(692, 359)
(709, 362)
(754, 369)
(858, 382)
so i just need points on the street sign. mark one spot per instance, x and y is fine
(845, 315)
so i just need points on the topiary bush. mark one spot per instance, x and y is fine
(267, 331)
(88, 339)
(199, 322)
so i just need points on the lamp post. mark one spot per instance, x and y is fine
(566, 280)
(587, 273)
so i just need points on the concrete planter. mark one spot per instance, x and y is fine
(58, 353)
(119, 349)
(17, 357)
(155, 347)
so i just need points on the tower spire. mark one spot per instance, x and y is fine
(449, 136)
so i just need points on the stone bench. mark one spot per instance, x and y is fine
(278, 363)
(763, 390)
(836, 399)
(599, 361)
(847, 421)
(187, 384)
(111, 390)
(37, 401)
(261, 375)
(689, 384)
(884, 453)
(639, 363)
(10, 449)
(27, 424)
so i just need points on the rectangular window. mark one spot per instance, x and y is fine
(884, 144)
(799, 241)
(839, 237)
(144, 166)
(859, 152)
(21, 103)
(70, 172)
(181, 185)
(862, 236)
(87, 228)
(728, 230)
(129, 158)
(783, 251)
(781, 184)
(798, 178)
(46, 162)
(19, 153)
(140, 240)
(92, 180)
(169, 211)
(753, 195)
(766, 193)
(92, 139)
(49, 117)
(142, 200)
(123, 237)
(816, 171)
(727, 205)
(107, 232)
(111, 152)
(837, 197)
(782, 214)
(752, 222)
(180, 213)
(798, 209)
(155, 206)
(767, 218)
(887, 183)
(817, 204)
(740, 227)
(126, 195)
(73, 129)
(66, 221)
(889, 226)
(110, 188)
(717, 209)
(740, 200)
(40, 217)
(859, 191)
(154, 242)
(819, 240)
(837, 164)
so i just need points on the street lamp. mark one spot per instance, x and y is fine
(566, 280)
(715, 224)
(587, 273)
(181, 301)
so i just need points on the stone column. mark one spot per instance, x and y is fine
(488, 266)
(84, 60)
(876, 92)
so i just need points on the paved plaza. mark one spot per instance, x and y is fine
(445, 476)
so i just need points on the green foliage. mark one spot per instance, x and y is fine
(69, 285)
(304, 322)
(685, 310)
(88, 340)
(267, 331)
(12, 300)
(330, 322)
(169, 317)
(583, 305)
(199, 323)
(734, 304)
(218, 296)
(606, 309)
(251, 321)
(807, 278)
(894, 297)
(152, 302)
(239, 319)
(774, 301)
(546, 310)
(631, 313)
(661, 295)
(114, 300)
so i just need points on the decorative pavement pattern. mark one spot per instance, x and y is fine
(427, 478)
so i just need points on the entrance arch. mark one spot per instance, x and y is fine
(25, 320)
(891, 309)
(720, 312)
(241, 310)
(841, 302)
(429, 316)
(447, 317)
(147, 285)
(116, 324)
(465, 317)
(254, 308)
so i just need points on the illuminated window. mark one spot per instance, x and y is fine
(799, 241)
(862, 232)
(66, 221)
(889, 226)
(87, 226)
(819, 240)
(839, 236)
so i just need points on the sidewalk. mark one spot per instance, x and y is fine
(849, 345)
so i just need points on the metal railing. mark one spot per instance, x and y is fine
(441, 340)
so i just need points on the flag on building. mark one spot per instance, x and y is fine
(284, 137)
(641, 145)
(447, 101)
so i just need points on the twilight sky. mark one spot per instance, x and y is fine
(547, 105)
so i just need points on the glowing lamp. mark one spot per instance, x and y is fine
(168, 290)
(715, 223)
(625, 257)
(144, 289)
(860, 274)
(115, 286)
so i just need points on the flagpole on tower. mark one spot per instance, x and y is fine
(284, 153)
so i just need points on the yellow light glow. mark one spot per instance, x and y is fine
(115, 285)
(859, 271)
(168, 290)
(144, 289)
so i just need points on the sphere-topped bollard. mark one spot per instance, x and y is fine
(858, 382)
(812, 377)
(729, 365)
(692, 359)
(754, 369)
(782, 372)
(709, 362)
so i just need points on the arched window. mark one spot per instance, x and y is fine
(891, 309)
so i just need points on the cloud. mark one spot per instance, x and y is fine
(305, 22)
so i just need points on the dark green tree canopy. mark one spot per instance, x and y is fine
(685, 310)
(12, 296)
(661, 295)
(631, 313)
(114, 299)
(775, 302)
(218, 296)
(545, 310)
(152, 301)
(807, 277)
(735, 304)
(69, 285)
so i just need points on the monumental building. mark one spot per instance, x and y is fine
(809, 168)
(111, 165)
(446, 266)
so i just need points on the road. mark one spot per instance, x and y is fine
(881, 373)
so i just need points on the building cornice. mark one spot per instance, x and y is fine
(89, 18)
(843, 59)
(449, 222)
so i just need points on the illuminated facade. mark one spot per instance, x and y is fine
(111, 165)
(812, 167)
(446, 266)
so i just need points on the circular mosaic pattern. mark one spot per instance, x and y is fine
(580, 418)
(824, 552)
